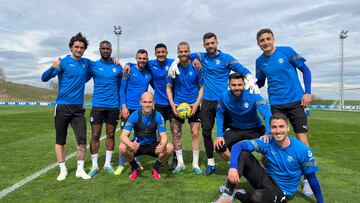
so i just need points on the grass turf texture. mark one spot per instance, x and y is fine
(27, 140)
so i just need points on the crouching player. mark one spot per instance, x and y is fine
(145, 121)
(287, 160)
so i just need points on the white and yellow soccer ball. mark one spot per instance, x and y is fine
(184, 110)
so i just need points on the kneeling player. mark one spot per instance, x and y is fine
(145, 122)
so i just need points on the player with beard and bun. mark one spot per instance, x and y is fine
(105, 105)
(73, 72)
(216, 67)
(242, 108)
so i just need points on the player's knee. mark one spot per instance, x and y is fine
(110, 135)
(257, 197)
(169, 148)
(122, 148)
(245, 156)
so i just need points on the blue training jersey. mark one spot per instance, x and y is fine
(216, 71)
(280, 70)
(72, 76)
(133, 85)
(186, 85)
(107, 80)
(159, 73)
(286, 166)
(243, 111)
(142, 140)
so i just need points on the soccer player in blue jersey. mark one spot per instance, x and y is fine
(287, 160)
(186, 88)
(105, 105)
(133, 84)
(216, 67)
(241, 109)
(145, 122)
(278, 64)
(73, 73)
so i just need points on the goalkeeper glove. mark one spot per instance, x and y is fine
(174, 70)
(250, 83)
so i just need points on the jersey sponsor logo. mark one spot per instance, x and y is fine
(246, 105)
(290, 158)
(114, 70)
(217, 61)
(281, 60)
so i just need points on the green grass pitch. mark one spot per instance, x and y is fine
(27, 140)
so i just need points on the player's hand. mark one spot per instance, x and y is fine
(174, 70)
(194, 108)
(134, 146)
(173, 107)
(197, 64)
(56, 63)
(250, 84)
(233, 176)
(160, 147)
(219, 142)
(126, 69)
(120, 115)
(306, 100)
(125, 113)
(116, 61)
(266, 138)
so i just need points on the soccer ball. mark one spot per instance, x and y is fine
(184, 110)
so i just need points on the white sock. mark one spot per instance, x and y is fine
(179, 157)
(94, 160)
(196, 158)
(108, 156)
(211, 162)
(80, 165)
(62, 166)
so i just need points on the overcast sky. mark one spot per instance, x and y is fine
(33, 33)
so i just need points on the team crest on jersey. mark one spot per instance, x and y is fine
(290, 158)
(114, 70)
(167, 68)
(190, 73)
(246, 105)
(217, 61)
(310, 153)
(281, 60)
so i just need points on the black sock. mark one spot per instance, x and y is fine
(157, 165)
(174, 155)
(134, 165)
(230, 187)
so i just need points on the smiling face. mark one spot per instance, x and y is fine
(183, 52)
(279, 129)
(147, 102)
(161, 54)
(105, 51)
(141, 60)
(266, 43)
(77, 49)
(211, 45)
(236, 86)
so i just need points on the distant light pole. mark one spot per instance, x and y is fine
(342, 36)
(117, 31)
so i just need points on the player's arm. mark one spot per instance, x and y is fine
(124, 110)
(264, 109)
(315, 186)
(160, 125)
(200, 93)
(220, 111)
(260, 76)
(306, 100)
(233, 175)
(53, 71)
(169, 94)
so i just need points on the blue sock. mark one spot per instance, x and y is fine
(121, 160)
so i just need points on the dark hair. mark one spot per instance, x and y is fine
(263, 31)
(208, 36)
(79, 38)
(236, 76)
(279, 116)
(160, 45)
(105, 42)
(141, 51)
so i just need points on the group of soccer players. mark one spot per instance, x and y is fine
(204, 81)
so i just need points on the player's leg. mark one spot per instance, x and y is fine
(96, 121)
(194, 128)
(111, 118)
(176, 130)
(61, 121)
(130, 157)
(208, 113)
(162, 157)
(78, 123)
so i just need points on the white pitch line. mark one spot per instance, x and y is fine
(23, 182)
